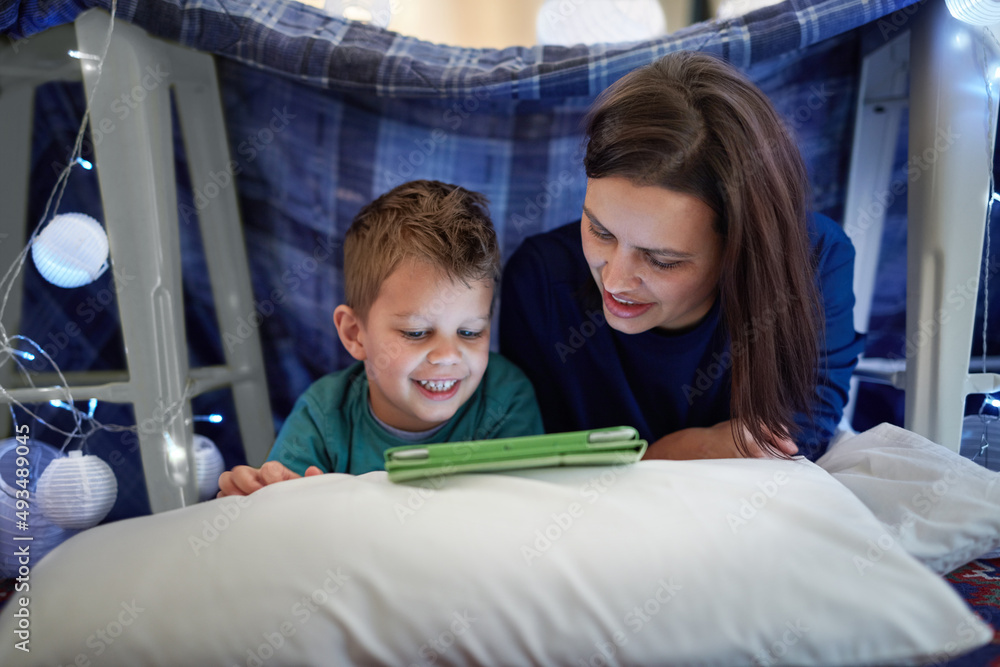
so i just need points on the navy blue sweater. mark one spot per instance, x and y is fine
(587, 375)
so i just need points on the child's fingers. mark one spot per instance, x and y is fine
(226, 487)
(273, 472)
(312, 471)
(239, 481)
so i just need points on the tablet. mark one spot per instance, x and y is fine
(605, 446)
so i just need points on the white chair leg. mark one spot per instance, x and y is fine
(204, 131)
(947, 215)
(133, 143)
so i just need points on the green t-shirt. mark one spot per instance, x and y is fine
(331, 426)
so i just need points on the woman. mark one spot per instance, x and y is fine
(697, 299)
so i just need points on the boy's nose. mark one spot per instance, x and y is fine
(445, 351)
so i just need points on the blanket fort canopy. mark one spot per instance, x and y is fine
(325, 114)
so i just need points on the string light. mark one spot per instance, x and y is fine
(80, 55)
(213, 418)
(71, 251)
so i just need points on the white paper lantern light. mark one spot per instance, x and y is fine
(975, 12)
(209, 465)
(77, 491)
(18, 521)
(564, 23)
(374, 12)
(71, 251)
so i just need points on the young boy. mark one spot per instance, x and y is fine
(421, 264)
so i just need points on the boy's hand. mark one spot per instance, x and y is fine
(244, 480)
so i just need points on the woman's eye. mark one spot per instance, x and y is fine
(663, 265)
(468, 333)
(413, 335)
(603, 235)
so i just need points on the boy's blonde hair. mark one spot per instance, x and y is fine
(445, 225)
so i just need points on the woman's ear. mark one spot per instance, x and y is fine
(351, 330)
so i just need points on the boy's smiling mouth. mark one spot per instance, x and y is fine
(437, 385)
(438, 390)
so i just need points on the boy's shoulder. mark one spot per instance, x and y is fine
(501, 372)
(336, 387)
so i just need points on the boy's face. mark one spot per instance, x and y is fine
(426, 343)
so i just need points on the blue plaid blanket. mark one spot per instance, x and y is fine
(324, 114)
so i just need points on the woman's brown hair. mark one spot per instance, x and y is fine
(692, 123)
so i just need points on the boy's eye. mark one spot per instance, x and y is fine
(413, 335)
(468, 333)
(599, 233)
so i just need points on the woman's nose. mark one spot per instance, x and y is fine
(619, 274)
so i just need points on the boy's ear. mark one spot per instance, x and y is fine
(351, 331)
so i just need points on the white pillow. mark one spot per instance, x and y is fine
(939, 506)
(727, 562)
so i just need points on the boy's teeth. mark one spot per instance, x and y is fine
(438, 386)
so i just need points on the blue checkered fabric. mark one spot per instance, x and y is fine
(325, 114)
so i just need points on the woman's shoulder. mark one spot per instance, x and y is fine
(830, 242)
(561, 242)
(557, 253)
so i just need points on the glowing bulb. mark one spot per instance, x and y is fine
(598, 21)
(86, 164)
(215, 419)
(374, 12)
(178, 466)
(91, 407)
(80, 55)
(355, 13)
(976, 12)
(24, 355)
(71, 251)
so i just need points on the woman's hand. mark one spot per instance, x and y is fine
(244, 480)
(715, 442)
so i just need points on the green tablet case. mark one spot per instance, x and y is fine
(606, 446)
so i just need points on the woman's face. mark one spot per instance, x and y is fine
(653, 252)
